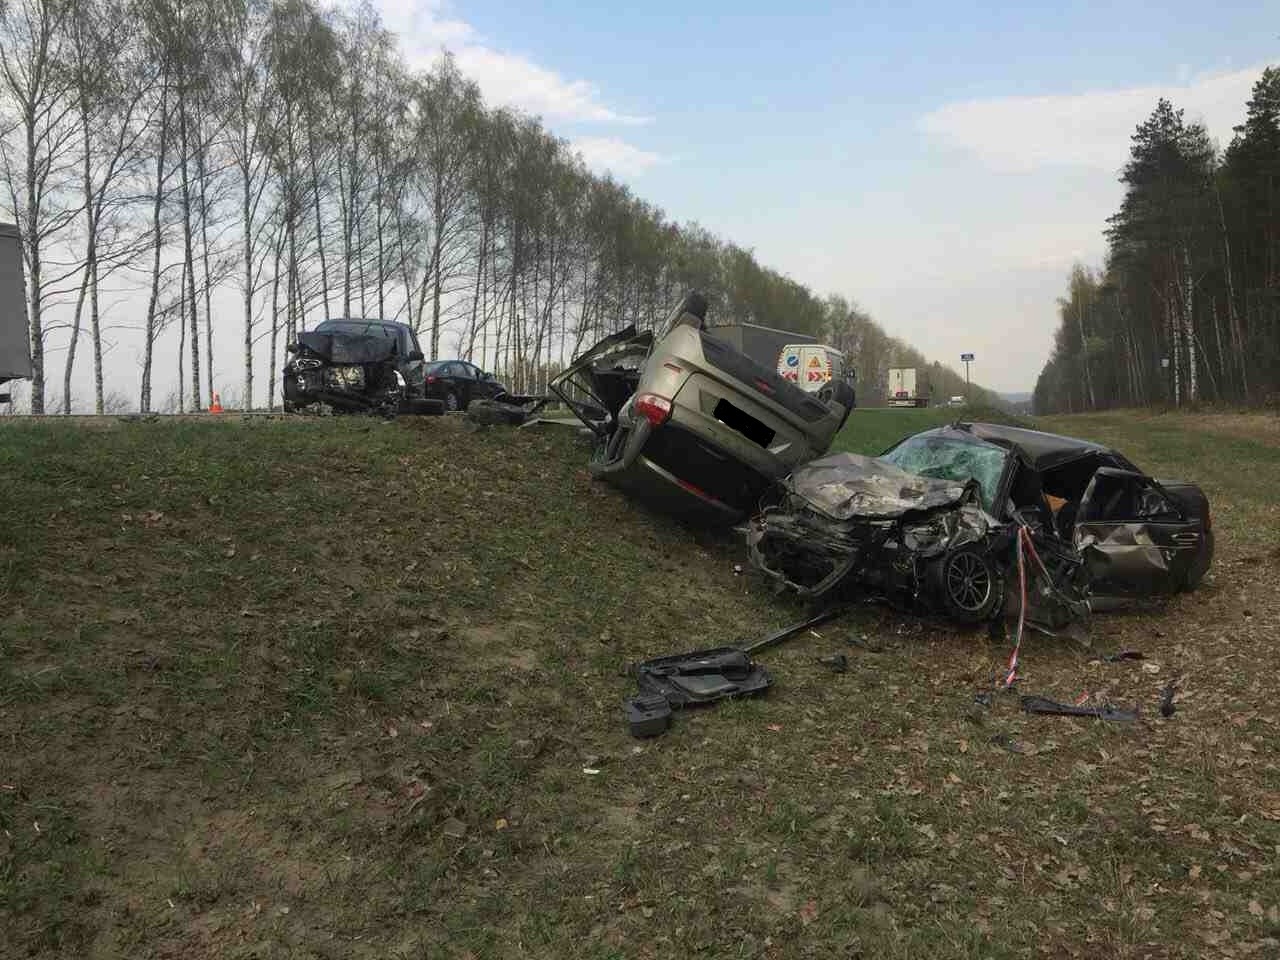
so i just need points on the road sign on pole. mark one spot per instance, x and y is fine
(968, 359)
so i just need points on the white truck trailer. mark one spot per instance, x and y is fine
(15, 354)
(906, 388)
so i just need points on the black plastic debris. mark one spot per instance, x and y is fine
(1122, 655)
(703, 676)
(836, 662)
(505, 410)
(1167, 706)
(648, 715)
(1047, 707)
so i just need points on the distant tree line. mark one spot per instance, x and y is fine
(1187, 306)
(171, 154)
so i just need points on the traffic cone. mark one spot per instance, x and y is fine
(216, 405)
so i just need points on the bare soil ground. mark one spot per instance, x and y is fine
(333, 689)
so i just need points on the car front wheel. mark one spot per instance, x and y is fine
(966, 584)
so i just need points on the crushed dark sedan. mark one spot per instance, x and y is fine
(960, 519)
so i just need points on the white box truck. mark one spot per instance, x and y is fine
(905, 389)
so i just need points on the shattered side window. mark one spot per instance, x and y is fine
(951, 459)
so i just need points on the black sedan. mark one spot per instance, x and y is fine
(455, 383)
(961, 517)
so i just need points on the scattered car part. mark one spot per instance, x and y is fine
(835, 662)
(1047, 707)
(688, 423)
(786, 633)
(1167, 706)
(505, 410)
(1122, 655)
(648, 715)
(703, 676)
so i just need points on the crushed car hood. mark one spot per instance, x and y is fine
(844, 486)
(348, 348)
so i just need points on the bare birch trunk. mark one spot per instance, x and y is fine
(71, 344)
(187, 246)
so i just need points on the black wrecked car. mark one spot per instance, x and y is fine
(357, 366)
(975, 519)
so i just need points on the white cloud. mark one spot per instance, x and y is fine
(1020, 134)
(507, 79)
(614, 155)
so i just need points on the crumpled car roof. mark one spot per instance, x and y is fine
(347, 348)
(847, 485)
(1042, 451)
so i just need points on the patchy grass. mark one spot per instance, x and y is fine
(328, 688)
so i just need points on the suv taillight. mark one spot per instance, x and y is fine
(655, 409)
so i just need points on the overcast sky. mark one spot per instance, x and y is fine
(940, 164)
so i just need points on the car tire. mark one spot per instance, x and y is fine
(451, 402)
(966, 584)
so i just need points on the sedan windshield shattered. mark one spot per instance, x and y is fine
(948, 458)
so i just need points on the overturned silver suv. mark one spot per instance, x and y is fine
(686, 422)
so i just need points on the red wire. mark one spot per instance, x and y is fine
(1012, 674)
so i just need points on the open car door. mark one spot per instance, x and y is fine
(1135, 538)
(597, 383)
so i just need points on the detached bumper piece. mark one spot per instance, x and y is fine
(690, 680)
(505, 410)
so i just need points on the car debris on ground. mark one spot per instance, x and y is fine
(505, 409)
(1043, 705)
(703, 677)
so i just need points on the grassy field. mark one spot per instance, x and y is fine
(332, 688)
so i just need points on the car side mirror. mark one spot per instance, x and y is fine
(291, 348)
(415, 355)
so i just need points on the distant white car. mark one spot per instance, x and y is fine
(956, 402)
